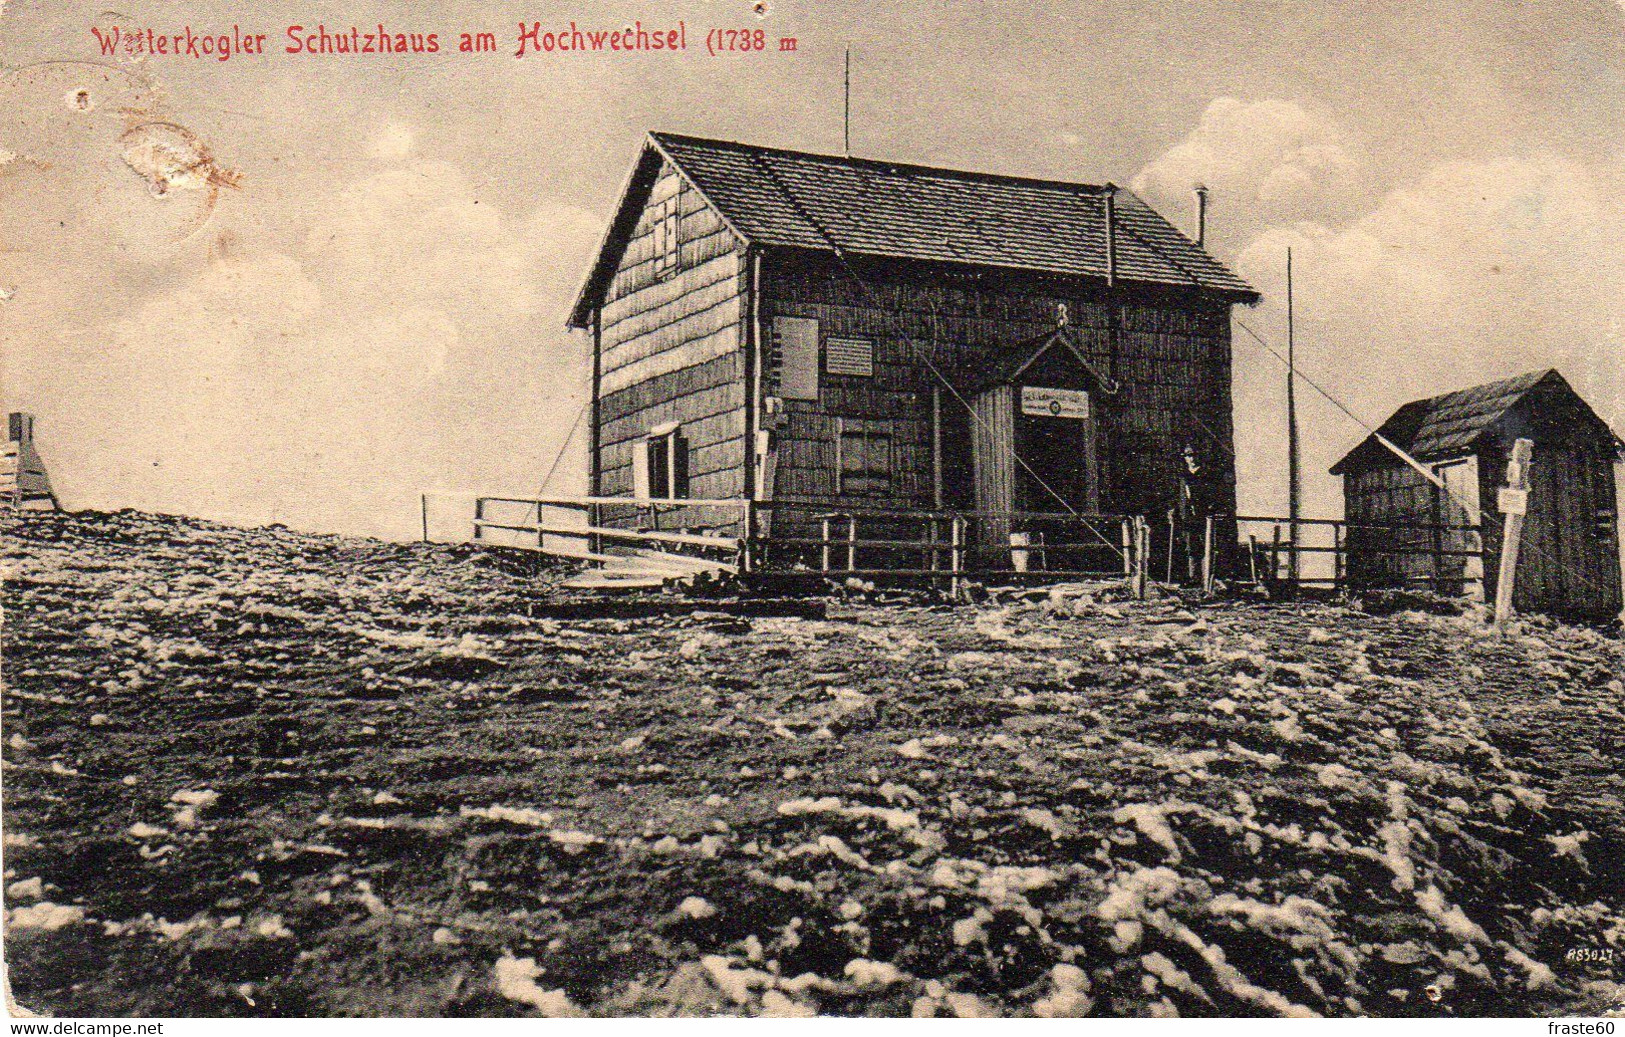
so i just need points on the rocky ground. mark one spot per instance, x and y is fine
(255, 772)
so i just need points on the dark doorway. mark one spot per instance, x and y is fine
(1056, 456)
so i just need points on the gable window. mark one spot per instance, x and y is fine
(660, 464)
(667, 251)
(863, 458)
(850, 356)
(796, 346)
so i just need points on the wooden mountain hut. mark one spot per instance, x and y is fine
(820, 334)
(1406, 529)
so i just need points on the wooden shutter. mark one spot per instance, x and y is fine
(640, 469)
(677, 459)
(667, 239)
(660, 465)
(798, 357)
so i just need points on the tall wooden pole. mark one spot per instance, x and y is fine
(1514, 502)
(936, 448)
(846, 107)
(1294, 474)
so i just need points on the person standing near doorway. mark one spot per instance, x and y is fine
(1191, 510)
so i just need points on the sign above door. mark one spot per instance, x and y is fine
(1039, 402)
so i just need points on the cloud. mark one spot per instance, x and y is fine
(412, 340)
(393, 141)
(1265, 157)
(1476, 271)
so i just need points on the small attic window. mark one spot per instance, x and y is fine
(666, 245)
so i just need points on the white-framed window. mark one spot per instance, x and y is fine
(667, 247)
(660, 464)
(863, 458)
(849, 356)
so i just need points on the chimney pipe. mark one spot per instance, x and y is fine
(1201, 215)
(1111, 234)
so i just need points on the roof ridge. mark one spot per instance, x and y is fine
(1437, 426)
(1534, 378)
(886, 164)
(761, 163)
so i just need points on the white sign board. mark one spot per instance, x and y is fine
(1054, 403)
(798, 357)
(1513, 502)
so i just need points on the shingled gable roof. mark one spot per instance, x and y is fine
(1009, 364)
(1451, 425)
(862, 207)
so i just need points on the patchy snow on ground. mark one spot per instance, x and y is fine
(268, 773)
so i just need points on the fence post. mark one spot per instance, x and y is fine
(1142, 558)
(1338, 562)
(851, 543)
(479, 516)
(747, 548)
(1131, 559)
(1145, 551)
(1275, 555)
(1514, 503)
(1170, 566)
(423, 500)
(824, 543)
(1207, 557)
(956, 553)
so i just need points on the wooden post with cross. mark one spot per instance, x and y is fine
(1514, 504)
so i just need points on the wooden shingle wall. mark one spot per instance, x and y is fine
(1569, 561)
(1173, 360)
(1394, 494)
(671, 347)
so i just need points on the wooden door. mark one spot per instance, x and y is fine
(1569, 564)
(1459, 564)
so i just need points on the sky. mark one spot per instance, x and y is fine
(307, 289)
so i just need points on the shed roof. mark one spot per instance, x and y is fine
(853, 206)
(1453, 424)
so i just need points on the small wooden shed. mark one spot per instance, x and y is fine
(1405, 528)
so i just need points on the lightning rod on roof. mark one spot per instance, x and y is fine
(846, 107)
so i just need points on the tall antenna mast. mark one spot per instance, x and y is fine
(1294, 476)
(846, 108)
